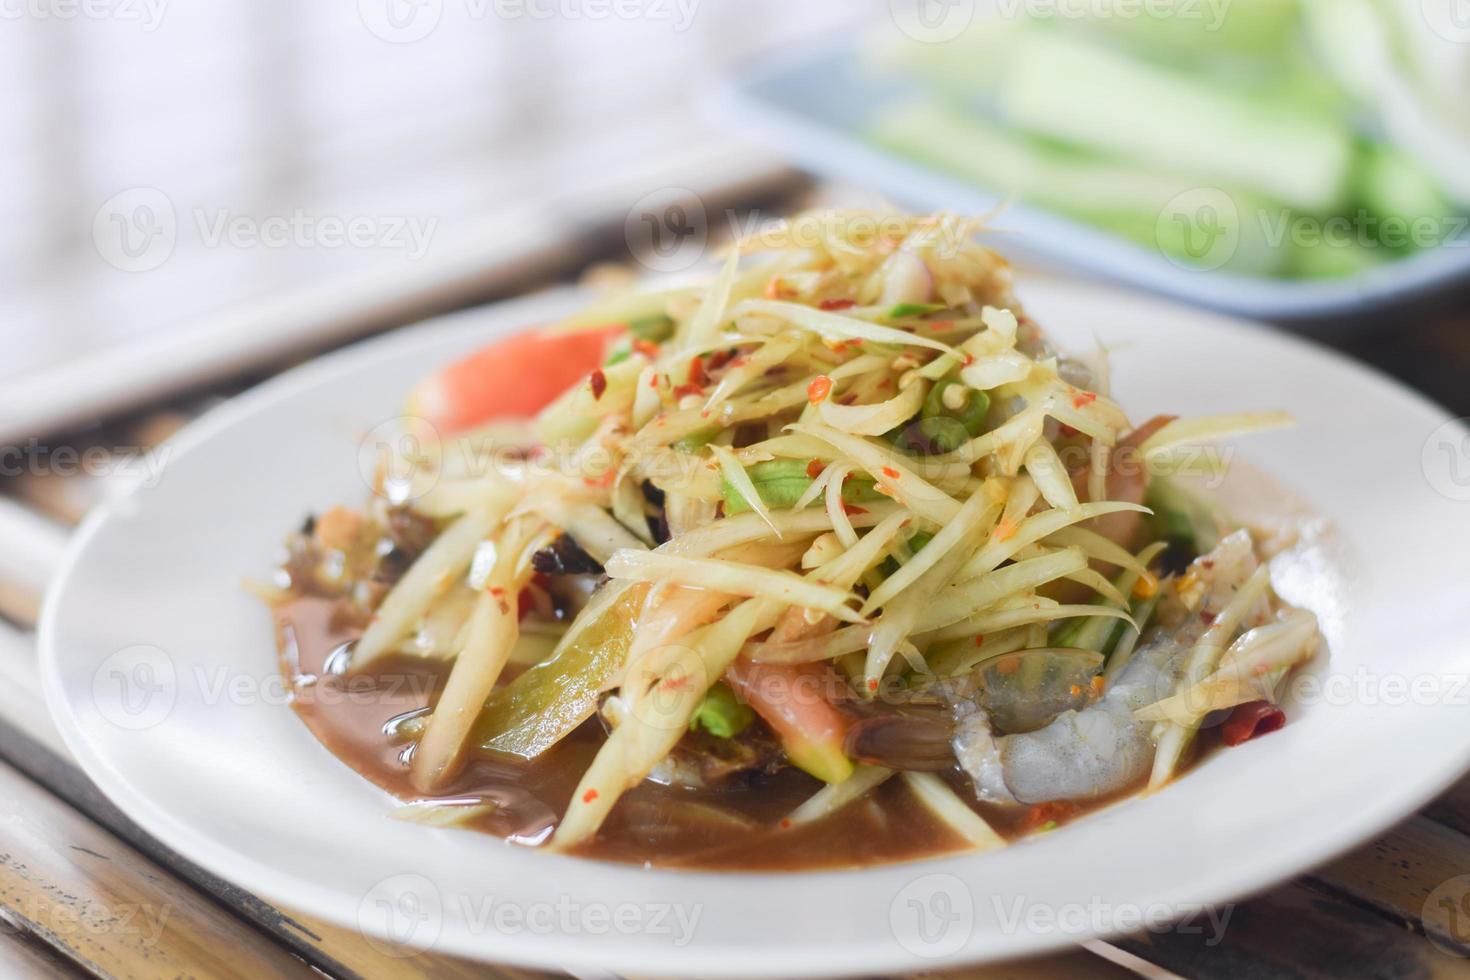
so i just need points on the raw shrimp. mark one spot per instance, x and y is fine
(1103, 748)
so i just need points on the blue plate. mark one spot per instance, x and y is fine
(811, 106)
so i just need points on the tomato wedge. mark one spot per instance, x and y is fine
(512, 378)
(793, 701)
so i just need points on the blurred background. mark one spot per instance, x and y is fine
(196, 190)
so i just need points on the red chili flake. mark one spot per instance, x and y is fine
(525, 603)
(814, 468)
(851, 509)
(1206, 616)
(939, 326)
(1084, 399)
(1250, 720)
(890, 472)
(738, 360)
(697, 375)
(589, 796)
(1066, 430)
(1207, 562)
(969, 358)
(785, 823)
(1045, 813)
(646, 347)
(979, 639)
(599, 383)
(773, 288)
(689, 389)
(819, 389)
(838, 304)
(885, 384)
(541, 580)
(872, 683)
(719, 359)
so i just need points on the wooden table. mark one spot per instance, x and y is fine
(84, 892)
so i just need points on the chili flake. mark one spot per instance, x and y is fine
(819, 389)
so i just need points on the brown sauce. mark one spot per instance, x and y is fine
(737, 826)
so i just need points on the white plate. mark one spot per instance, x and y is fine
(160, 672)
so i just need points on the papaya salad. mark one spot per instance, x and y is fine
(828, 559)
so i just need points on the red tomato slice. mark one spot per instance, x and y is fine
(513, 378)
(793, 701)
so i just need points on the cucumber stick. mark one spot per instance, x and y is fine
(1090, 96)
(1119, 197)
